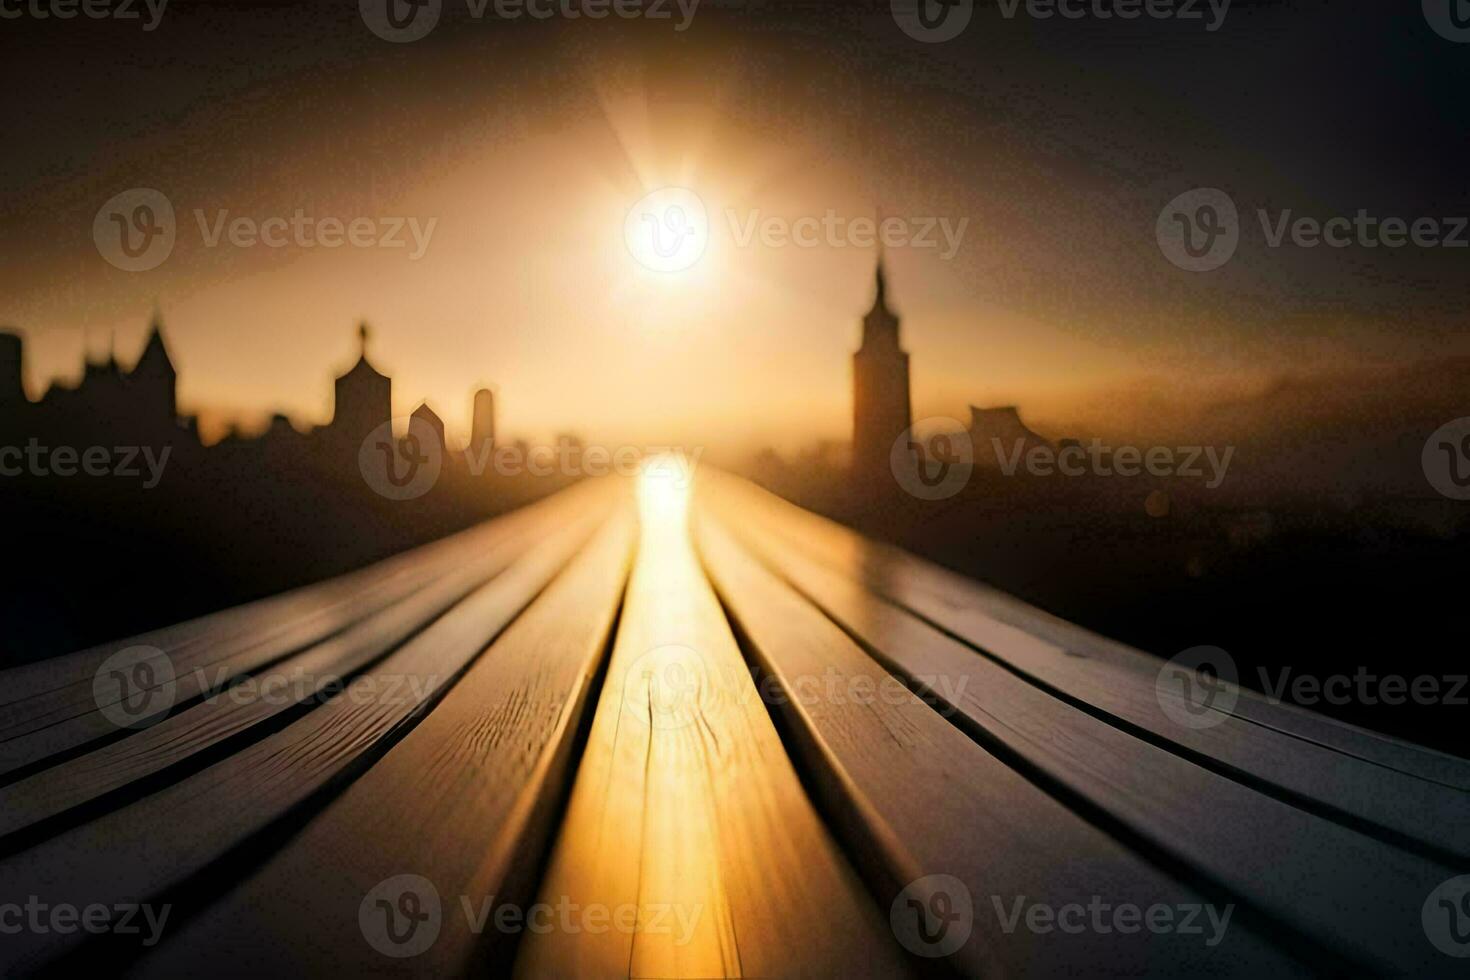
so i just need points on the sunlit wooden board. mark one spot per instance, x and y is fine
(687, 810)
(1335, 889)
(466, 802)
(1415, 809)
(145, 849)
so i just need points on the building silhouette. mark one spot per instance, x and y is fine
(1002, 426)
(880, 394)
(12, 386)
(363, 399)
(482, 425)
(109, 401)
(426, 423)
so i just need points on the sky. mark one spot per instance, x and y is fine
(1047, 147)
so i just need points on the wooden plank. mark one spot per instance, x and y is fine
(1334, 887)
(692, 807)
(1405, 807)
(32, 680)
(972, 609)
(152, 845)
(67, 715)
(921, 799)
(298, 679)
(488, 766)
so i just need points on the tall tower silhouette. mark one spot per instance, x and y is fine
(12, 364)
(880, 393)
(364, 398)
(482, 424)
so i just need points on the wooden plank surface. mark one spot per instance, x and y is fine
(152, 845)
(1336, 888)
(1359, 789)
(465, 802)
(967, 606)
(61, 711)
(920, 799)
(296, 680)
(686, 809)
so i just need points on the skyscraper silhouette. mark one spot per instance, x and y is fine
(880, 394)
(482, 427)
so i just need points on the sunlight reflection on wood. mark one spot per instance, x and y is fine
(686, 807)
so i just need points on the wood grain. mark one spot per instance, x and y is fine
(295, 680)
(686, 801)
(921, 799)
(148, 847)
(1407, 794)
(466, 801)
(1338, 889)
(53, 707)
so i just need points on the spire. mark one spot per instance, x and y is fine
(363, 366)
(881, 302)
(880, 326)
(155, 352)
